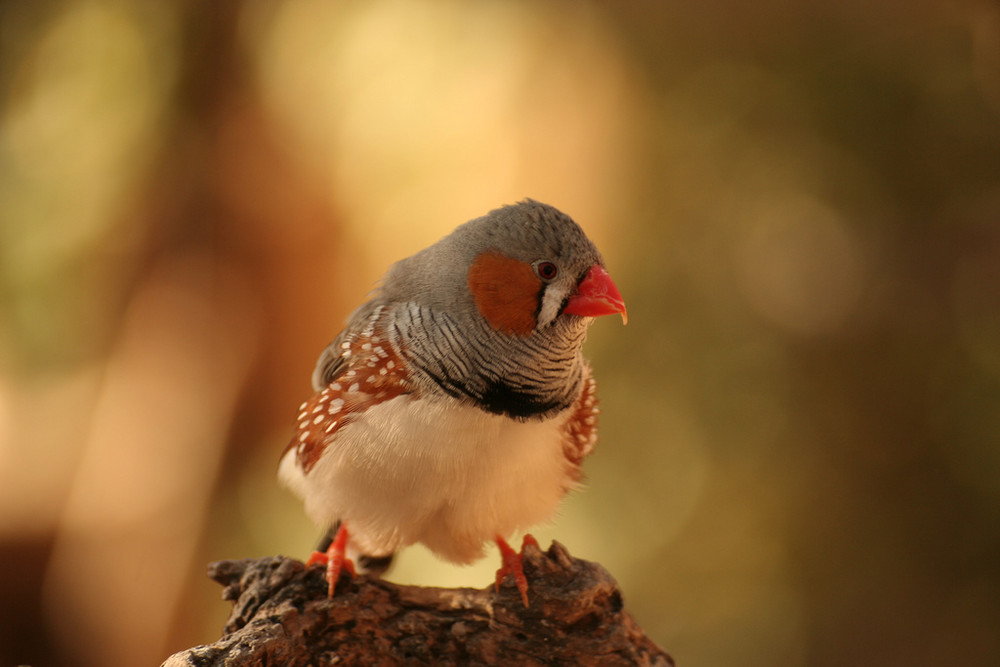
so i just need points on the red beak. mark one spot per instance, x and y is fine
(596, 295)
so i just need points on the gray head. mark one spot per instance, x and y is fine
(515, 267)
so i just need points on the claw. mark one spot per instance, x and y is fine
(512, 565)
(335, 559)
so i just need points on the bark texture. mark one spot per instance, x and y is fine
(281, 616)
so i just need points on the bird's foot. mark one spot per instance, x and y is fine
(334, 558)
(512, 565)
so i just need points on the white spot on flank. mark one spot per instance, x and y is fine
(304, 436)
(318, 419)
(332, 425)
(390, 364)
(317, 409)
(353, 388)
(335, 386)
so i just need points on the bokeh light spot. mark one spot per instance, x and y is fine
(800, 265)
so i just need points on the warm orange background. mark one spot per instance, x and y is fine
(800, 451)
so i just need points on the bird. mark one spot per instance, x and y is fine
(455, 407)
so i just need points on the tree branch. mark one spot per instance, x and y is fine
(281, 616)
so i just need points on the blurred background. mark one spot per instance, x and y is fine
(800, 448)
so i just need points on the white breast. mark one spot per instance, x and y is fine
(451, 477)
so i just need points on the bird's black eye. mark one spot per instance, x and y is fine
(546, 270)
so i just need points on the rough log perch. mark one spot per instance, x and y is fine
(281, 616)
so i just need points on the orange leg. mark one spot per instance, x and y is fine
(512, 565)
(335, 558)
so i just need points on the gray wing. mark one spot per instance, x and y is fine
(331, 362)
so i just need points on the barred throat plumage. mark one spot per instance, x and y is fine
(521, 377)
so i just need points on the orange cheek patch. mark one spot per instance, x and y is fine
(506, 292)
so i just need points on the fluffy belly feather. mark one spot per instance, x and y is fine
(427, 471)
